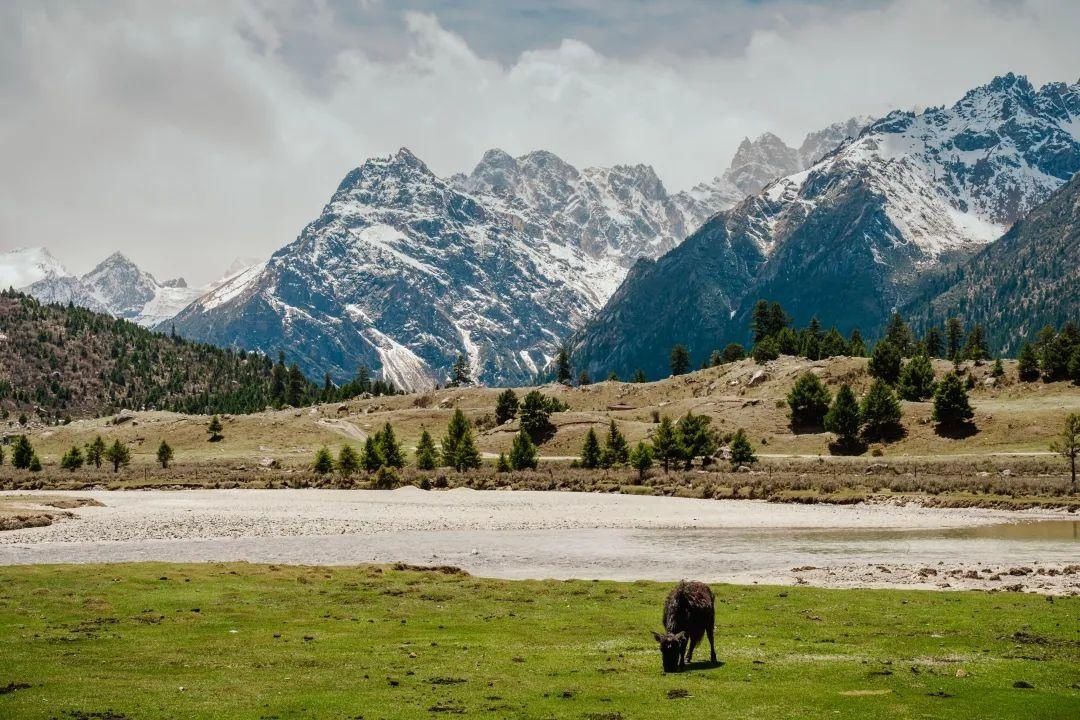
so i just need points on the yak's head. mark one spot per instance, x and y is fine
(671, 649)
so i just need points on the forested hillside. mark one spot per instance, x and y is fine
(59, 362)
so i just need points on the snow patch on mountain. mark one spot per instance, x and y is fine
(22, 267)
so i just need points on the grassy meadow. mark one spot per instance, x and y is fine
(245, 641)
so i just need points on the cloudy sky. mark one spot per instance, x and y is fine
(187, 134)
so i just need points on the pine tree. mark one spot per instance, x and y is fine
(563, 372)
(164, 455)
(22, 453)
(811, 347)
(458, 447)
(502, 465)
(506, 406)
(584, 379)
(856, 344)
(590, 451)
(808, 401)
(932, 342)
(881, 411)
(761, 321)
(1068, 444)
(716, 359)
(680, 360)
(348, 461)
(613, 376)
(641, 460)
(833, 345)
(459, 373)
(898, 334)
(277, 380)
(787, 342)
(998, 371)
(844, 418)
(916, 379)
(951, 406)
(72, 459)
(954, 334)
(523, 452)
(976, 348)
(1027, 366)
(765, 351)
(95, 451)
(535, 416)
(118, 454)
(696, 438)
(733, 352)
(35, 463)
(214, 429)
(389, 448)
(372, 457)
(426, 459)
(294, 395)
(639, 376)
(665, 443)
(1074, 365)
(742, 453)
(1055, 353)
(885, 362)
(324, 462)
(616, 450)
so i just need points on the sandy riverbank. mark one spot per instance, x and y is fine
(552, 534)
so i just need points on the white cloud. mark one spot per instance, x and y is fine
(187, 134)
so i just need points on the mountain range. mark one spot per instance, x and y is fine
(404, 270)
(858, 234)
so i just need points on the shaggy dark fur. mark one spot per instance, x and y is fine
(689, 613)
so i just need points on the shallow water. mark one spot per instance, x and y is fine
(712, 554)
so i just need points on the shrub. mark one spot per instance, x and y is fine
(324, 463)
(72, 459)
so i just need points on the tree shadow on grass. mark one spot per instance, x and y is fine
(698, 665)
(886, 434)
(853, 446)
(806, 428)
(956, 431)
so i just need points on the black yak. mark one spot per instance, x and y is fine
(689, 613)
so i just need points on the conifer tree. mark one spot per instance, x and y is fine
(916, 379)
(535, 416)
(833, 345)
(898, 334)
(616, 450)
(118, 454)
(696, 438)
(348, 461)
(733, 352)
(1027, 366)
(742, 453)
(881, 411)
(998, 371)
(590, 451)
(324, 462)
(613, 376)
(844, 418)
(95, 451)
(392, 455)
(22, 453)
(72, 459)
(523, 452)
(665, 443)
(426, 459)
(639, 376)
(932, 341)
(297, 385)
(584, 379)
(951, 406)
(765, 351)
(278, 380)
(786, 342)
(856, 344)
(458, 447)
(716, 359)
(1, 454)
(460, 374)
(1055, 353)
(680, 360)
(808, 401)
(563, 372)
(214, 429)
(164, 455)
(976, 348)
(372, 458)
(1074, 364)
(35, 463)
(641, 460)
(885, 362)
(954, 334)
(506, 406)
(502, 465)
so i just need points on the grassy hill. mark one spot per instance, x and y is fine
(59, 362)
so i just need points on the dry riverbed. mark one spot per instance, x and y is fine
(570, 535)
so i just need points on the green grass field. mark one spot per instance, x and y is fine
(244, 641)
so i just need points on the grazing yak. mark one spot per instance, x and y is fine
(689, 613)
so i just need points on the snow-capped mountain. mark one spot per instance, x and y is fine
(403, 271)
(116, 286)
(852, 237)
(758, 162)
(619, 213)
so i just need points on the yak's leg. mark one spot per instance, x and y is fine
(712, 648)
(690, 648)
